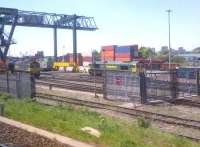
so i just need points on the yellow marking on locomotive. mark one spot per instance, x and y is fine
(111, 67)
(134, 69)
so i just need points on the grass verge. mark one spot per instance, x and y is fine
(68, 121)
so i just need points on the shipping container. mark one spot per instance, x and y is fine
(131, 49)
(123, 55)
(123, 49)
(70, 58)
(87, 59)
(108, 53)
(108, 48)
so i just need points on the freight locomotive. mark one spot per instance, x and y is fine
(98, 68)
(33, 67)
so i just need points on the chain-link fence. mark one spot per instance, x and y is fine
(19, 84)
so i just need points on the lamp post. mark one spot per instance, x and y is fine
(169, 11)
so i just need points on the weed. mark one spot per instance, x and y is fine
(68, 121)
(143, 123)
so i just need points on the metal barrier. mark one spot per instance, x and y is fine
(19, 84)
(160, 85)
(143, 87)
(172, 84)
(121, 85)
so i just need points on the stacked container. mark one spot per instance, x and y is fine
(69, 58)
(108, 53)
(126, 53)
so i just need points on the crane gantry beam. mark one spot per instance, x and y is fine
(15, 17)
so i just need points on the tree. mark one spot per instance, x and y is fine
(163, 55)
(146, 52)
(196, 50)
(178, 60)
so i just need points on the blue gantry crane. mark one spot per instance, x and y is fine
(15, 17)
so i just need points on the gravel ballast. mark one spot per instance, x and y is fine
(21, 138)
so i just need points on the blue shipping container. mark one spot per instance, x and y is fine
(123, 49)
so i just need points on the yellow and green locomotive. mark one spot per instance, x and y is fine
(33, 67)
(98, 68)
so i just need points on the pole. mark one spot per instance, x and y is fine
(198, 84)
(74, 41)
(55, 44)
(93, 60)
(169, 11)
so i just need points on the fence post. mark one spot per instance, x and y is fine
(18, 85)
(198, 86)
(143, 89)
(33, 89)
(104, 84)
(7, 80)
(173, 81)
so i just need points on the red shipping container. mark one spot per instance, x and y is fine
(108, 48)
(69, 58)
(87, 59)
(108, 53)
(123, 55)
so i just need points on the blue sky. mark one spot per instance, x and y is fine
(121, 22)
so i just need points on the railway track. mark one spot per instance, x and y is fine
(85, 83)
(79, 78)
(186, 102)
(71, 85)
(188, 123)
(130, 111)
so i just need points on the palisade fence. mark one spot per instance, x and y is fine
(18, 84)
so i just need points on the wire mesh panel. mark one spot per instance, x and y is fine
(172, 84)
(122, 85)
(3, 83)
(19, 84)
(160, 85)
(187, 79)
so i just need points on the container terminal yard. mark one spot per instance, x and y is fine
(117, 83)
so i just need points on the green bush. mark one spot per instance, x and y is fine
(143, 123)
(5, 96)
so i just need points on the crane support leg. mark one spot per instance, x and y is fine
(10, 36)
(74, 41)
(55, 44)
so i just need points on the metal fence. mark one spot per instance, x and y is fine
(172, 84)
(143, 87)
(121, 85)
(19, 84)
(160, 85)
